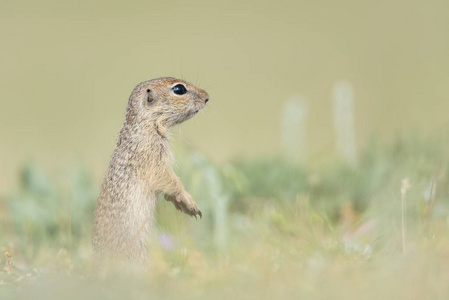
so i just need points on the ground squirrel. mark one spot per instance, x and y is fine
(141, 168)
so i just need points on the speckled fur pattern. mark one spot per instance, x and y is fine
(141, 168)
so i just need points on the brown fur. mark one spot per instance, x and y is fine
(141, 168)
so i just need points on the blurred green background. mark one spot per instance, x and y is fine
(309, 225)
(67, 69)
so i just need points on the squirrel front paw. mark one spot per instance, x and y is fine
(185, 203)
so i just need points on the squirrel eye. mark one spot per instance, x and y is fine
(179, 89)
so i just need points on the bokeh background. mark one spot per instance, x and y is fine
(67, 69)
(66, 72)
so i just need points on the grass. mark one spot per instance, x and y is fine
(323, 230)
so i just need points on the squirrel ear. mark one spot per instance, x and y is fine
(149, 97)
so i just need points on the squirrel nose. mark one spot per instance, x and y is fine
(207, 99)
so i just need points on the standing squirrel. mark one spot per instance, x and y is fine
(141, 168)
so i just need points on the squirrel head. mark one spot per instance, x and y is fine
(163, 102)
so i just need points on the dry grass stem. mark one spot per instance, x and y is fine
(404, 188)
